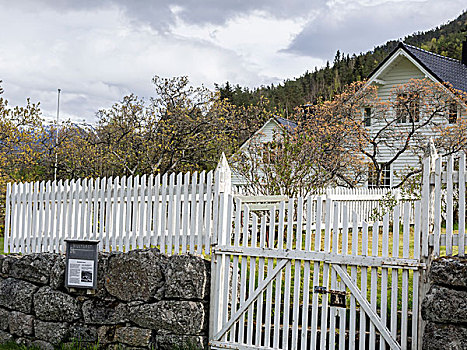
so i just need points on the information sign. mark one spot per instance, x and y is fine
(81, 264)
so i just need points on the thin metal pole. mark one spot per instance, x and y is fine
(56, 139)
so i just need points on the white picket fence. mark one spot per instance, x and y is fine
(176, 213)
(369, 204)
(276, 272)
(444, 191)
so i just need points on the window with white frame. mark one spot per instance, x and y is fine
(367, 116)
(453, 112)
(381, 181)
(408, 108)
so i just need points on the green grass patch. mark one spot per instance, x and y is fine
(1, 245)
(70, 346)
(81, 346)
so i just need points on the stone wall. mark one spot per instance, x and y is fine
(144, 300)
(445, 306)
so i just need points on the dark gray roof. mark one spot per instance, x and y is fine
(288, 124)
(444, 68)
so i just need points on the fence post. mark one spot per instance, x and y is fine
(427, 202)
(225, 175)
(222, 190)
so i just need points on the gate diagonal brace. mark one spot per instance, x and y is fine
(366, 307)
(261, 287)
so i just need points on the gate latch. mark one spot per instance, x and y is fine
(320, 290)
(337, 298)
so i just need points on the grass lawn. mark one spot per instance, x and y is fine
(1, 245)
(72, 346)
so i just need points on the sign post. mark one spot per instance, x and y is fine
(81, 264)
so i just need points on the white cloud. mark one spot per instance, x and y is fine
(97, 52)
(358, 26)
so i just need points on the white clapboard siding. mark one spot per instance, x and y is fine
(274, 275)
(173, 213)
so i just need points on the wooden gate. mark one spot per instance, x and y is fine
(282, 281)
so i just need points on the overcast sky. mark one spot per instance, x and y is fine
(96, 52)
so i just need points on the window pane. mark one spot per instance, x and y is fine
(452, 113)
(367, 116)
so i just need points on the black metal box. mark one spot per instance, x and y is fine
(81, 264)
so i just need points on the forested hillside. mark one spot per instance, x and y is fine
(326, 82)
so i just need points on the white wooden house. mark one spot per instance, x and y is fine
(404, 63)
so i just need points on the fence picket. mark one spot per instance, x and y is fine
(437, 218)
(345, 251)
(395, 273)
(82, 207)
(327, 249)
(363, 287)
(178, 212)
(384, 276)
(449, 206)
(89, 207)
(141, 211)
(225, 239)
(15, 209)
(103, 184)
(334, 246)
(261, 277)
(58, 234)
(65, 210)
(128, 192)
(353, 274)
(298, 273)
(28, 228)
(306, 277)
(8, 212)
(156, 212)
(236, 240)
(254, 236)
(76, 206)
(268, 310)
(208, 221)
(461, 219)
(405, 276)
(374, 281)
(316, 268)
(185, 213)
(278, 296)
(163, 227)
(193, 226)
(243, 280)
(113, 229)
(288, 271)
(416, 277)
(200, 213)
(108, 215)
(121, 213)
(45, 240)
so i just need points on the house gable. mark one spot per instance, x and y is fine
(433, 66)
(267, 131)
(402, 65)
